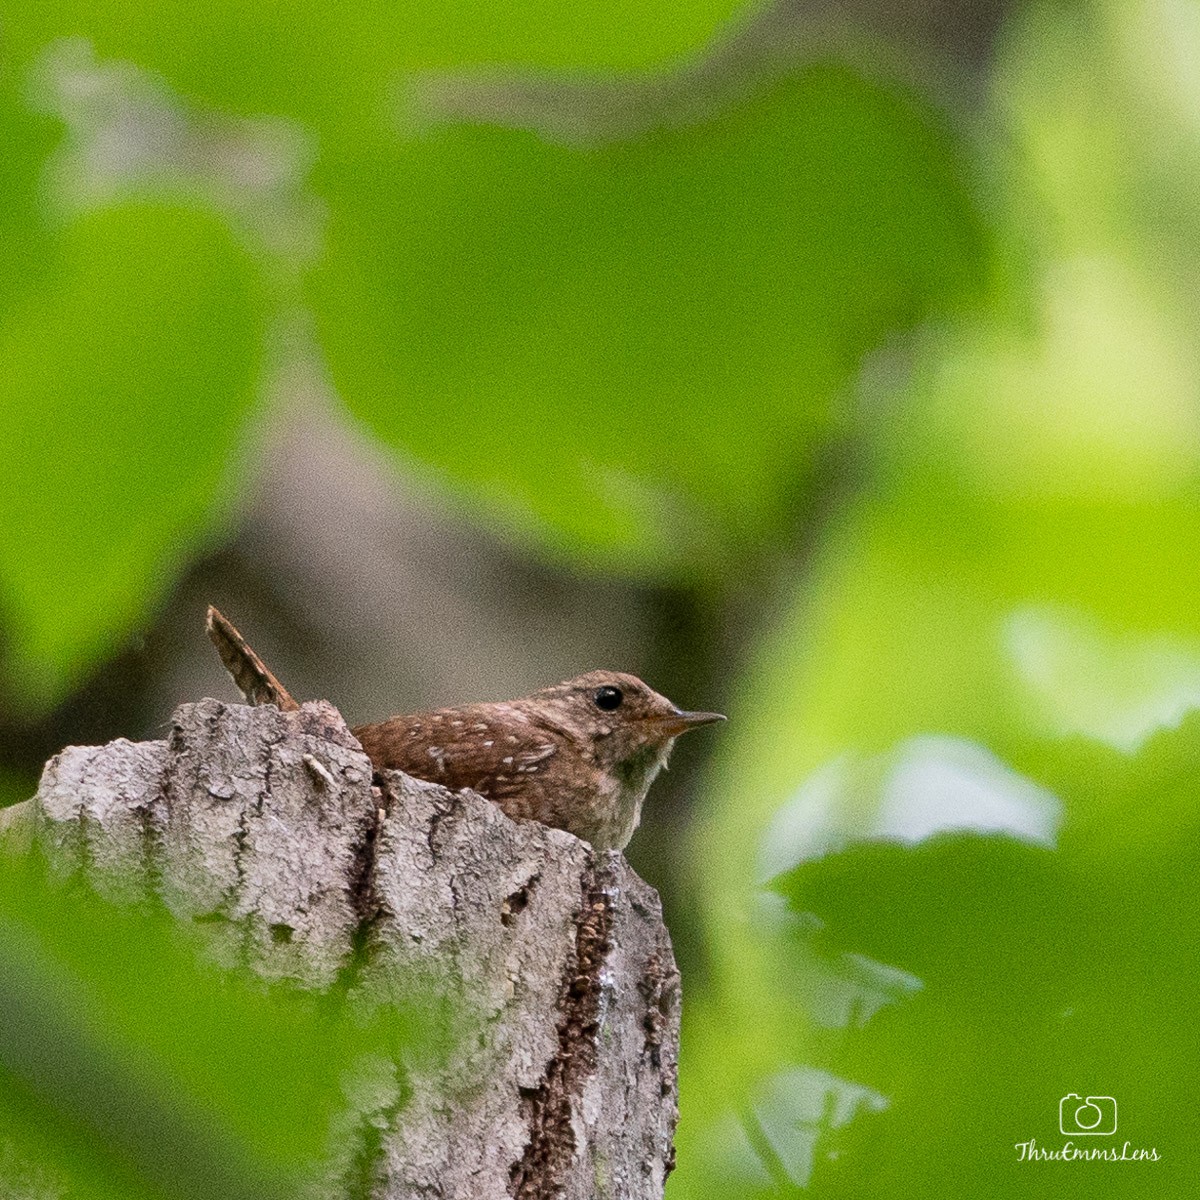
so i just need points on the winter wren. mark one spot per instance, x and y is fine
(579, 755)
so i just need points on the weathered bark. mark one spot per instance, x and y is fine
(268, 828)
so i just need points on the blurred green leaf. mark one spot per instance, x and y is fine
(131, 1065)
(125, 384)
(633, 351)
(1042, 468)
(43, 1156)
(14, 788)
(1023, 565)
(27, 139)
(1124, 804)
(338, 69)
(1040, 977)
(930, 614)
(1101, 99)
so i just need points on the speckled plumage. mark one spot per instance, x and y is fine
(553, 756)
(579, 755)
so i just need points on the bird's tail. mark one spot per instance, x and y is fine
(249, 671)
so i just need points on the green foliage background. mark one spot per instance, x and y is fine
(931, 384)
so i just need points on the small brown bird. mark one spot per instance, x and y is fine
(579, 755)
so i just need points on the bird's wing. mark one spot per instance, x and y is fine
(468, 747)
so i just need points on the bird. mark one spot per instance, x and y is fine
(578, 755)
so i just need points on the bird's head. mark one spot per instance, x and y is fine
(627, 725)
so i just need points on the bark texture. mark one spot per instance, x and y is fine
(268, 829)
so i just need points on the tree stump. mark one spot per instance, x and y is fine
(269, 827)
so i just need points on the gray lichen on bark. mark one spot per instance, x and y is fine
(268, 831)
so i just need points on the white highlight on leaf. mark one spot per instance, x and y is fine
(1116, 688)
(928, 784)
(795, 1106)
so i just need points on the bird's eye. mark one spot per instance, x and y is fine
(608, 698)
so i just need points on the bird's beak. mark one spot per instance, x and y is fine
(673, 724)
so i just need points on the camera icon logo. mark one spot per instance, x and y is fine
(1095, 1115)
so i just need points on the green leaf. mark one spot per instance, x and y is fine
(633, 351)
(338, 69)
(1124, 804)
(27, 140)
(1000, 633)
(131, 1064)
(1039, 976)
(125, 384)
